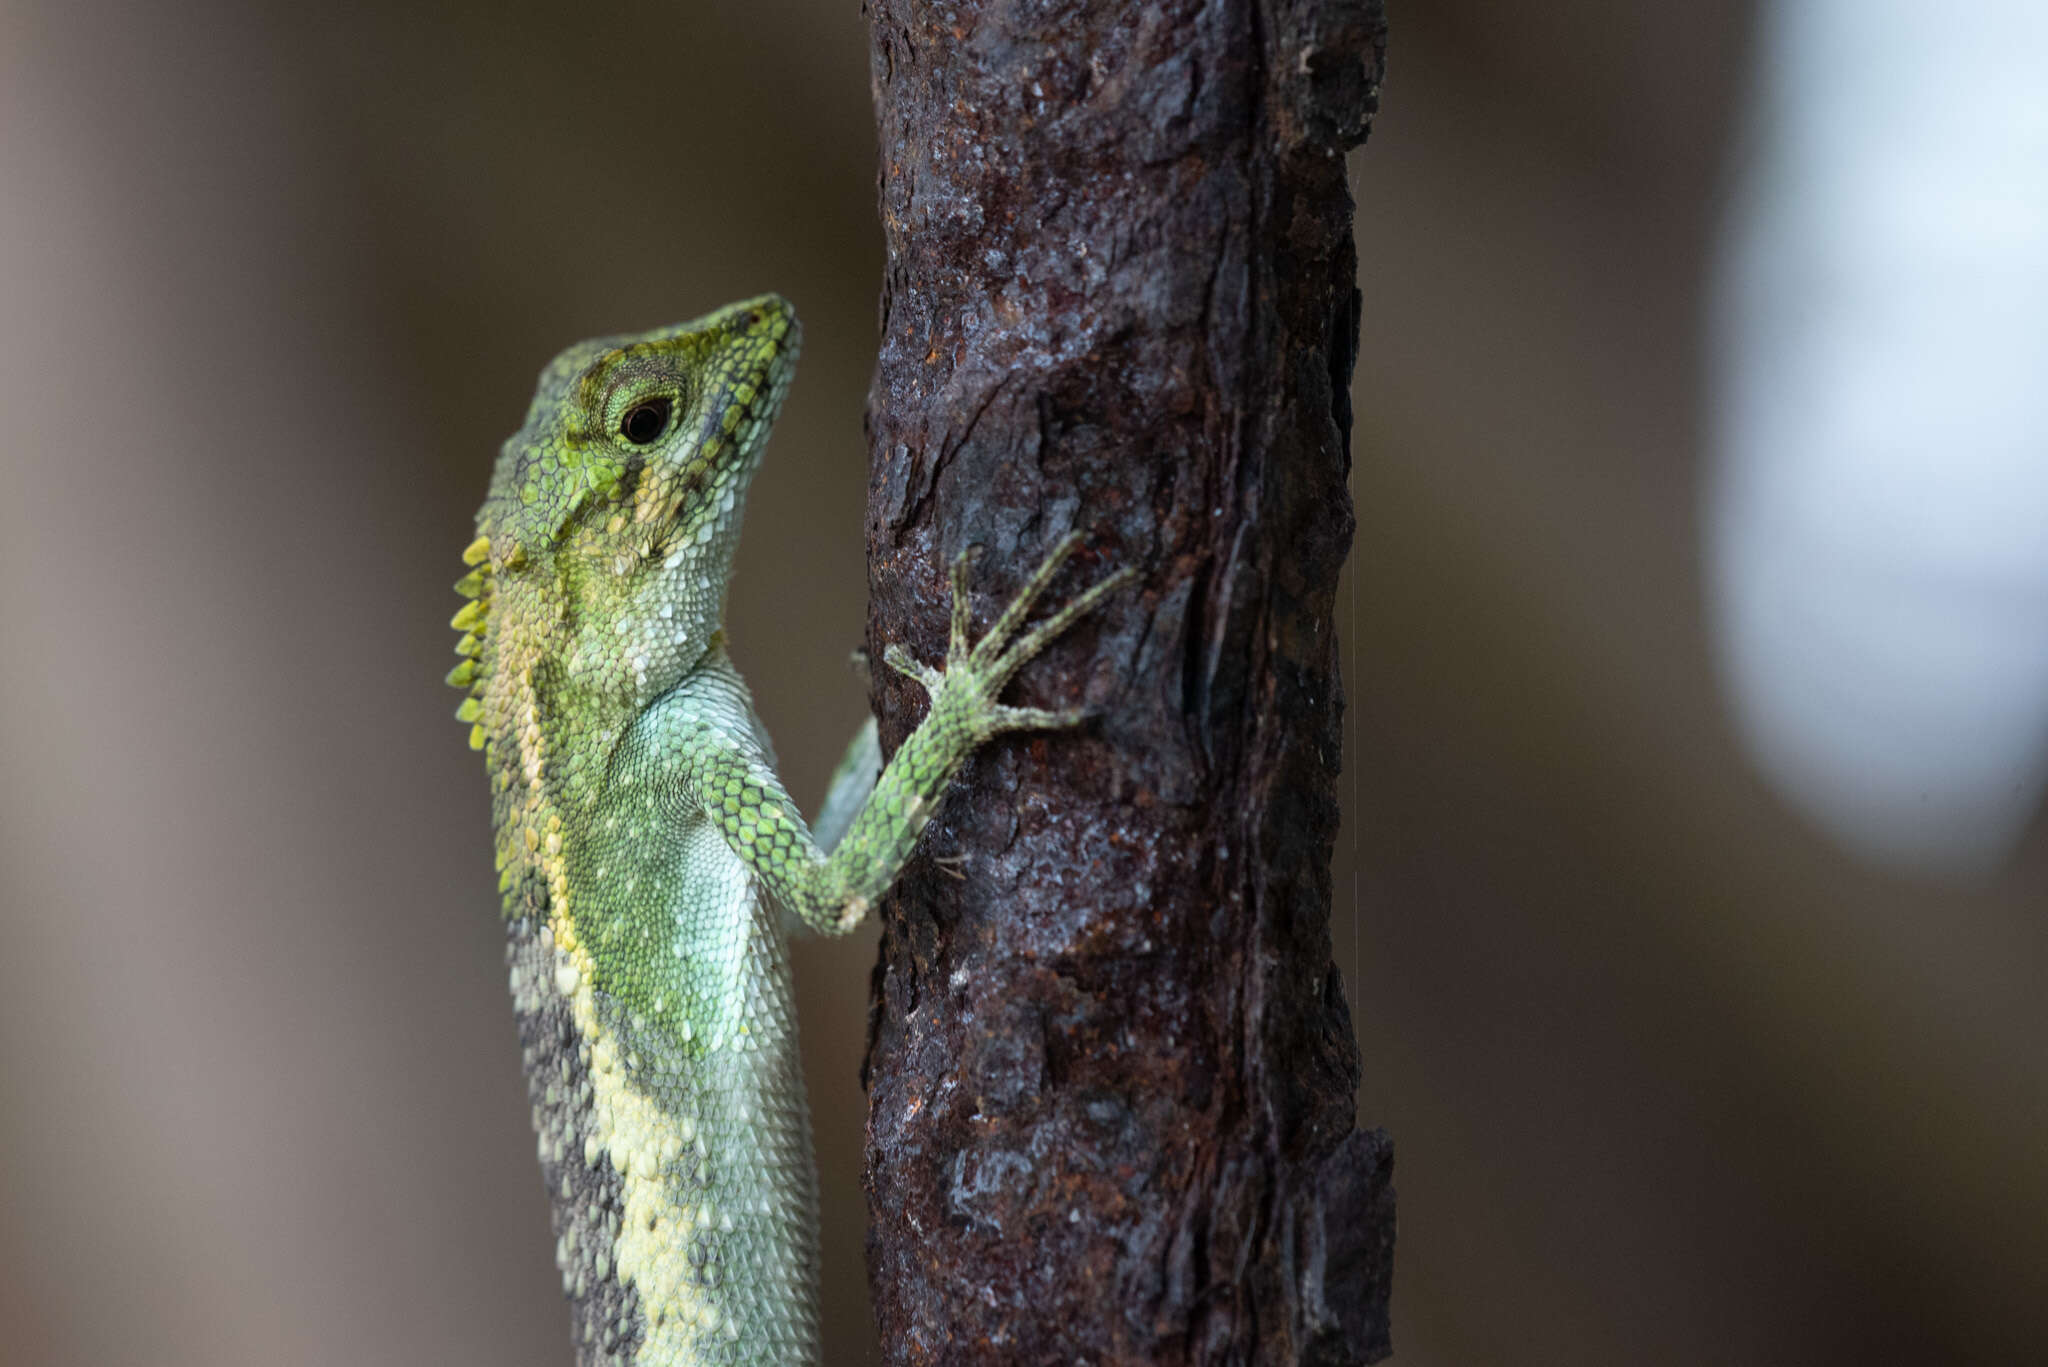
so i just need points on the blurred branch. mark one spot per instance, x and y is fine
(1112, 1070)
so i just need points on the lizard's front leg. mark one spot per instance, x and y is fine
(831, 893)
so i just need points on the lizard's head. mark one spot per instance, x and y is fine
(607, 540)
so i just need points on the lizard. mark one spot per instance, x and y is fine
(651, 862)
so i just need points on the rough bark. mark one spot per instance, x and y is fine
(1111, 1068)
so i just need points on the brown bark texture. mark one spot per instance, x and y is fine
(1111, 1069)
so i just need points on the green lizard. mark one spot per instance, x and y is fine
(645, 842)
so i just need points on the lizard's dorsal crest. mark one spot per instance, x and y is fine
(472, 620)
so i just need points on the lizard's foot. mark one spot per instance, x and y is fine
(981, 669)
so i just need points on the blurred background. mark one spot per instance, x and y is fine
(1709, 1022)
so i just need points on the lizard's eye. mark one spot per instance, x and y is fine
(645, 421)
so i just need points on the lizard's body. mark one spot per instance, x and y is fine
(647, 847)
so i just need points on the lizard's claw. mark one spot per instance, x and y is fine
(1012, 616)
(1031, 642)
(904, 663)
(1002, 717)
(991, 662)
(957, 645)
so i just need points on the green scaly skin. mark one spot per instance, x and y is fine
(645, 840)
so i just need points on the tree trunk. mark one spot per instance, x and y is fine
(1111, 1069)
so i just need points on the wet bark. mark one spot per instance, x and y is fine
(1111, 1069)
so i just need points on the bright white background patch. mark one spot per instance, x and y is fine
(1878, 509)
